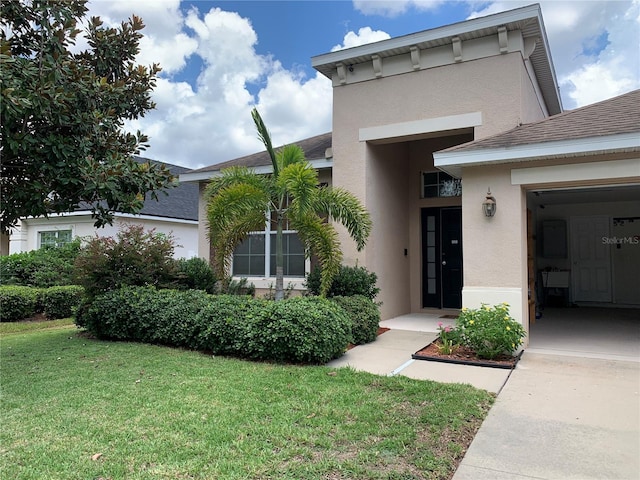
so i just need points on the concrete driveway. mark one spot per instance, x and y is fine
(561, 417)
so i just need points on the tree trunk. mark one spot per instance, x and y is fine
(279, 261)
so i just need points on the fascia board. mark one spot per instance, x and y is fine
(531, 11)
(261, 170)
(537, 151)
(68, 216)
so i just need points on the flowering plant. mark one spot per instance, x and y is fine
(490, 331)
(449, 338)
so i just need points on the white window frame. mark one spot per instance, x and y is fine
(57, 231)
(267, 281)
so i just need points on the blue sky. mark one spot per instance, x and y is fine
(221, 58)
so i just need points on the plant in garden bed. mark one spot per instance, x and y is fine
(490, 331)
(449, 339)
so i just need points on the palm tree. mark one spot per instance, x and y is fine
(241, 201)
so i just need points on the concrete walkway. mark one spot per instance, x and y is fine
(556, 416)
(561, 417)
(391, 354)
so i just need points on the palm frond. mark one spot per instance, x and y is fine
(299, 181)
(321, 239)
(265, 138)
(343, 207)
(289, 155)
(235, 176)
(233, 213)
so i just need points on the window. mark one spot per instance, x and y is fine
(440, 184)
(250, 260)
(54, 238)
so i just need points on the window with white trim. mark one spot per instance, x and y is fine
(54, 238)
(250, 258)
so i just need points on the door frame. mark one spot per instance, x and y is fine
(432, 261)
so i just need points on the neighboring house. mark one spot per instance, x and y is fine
(451, 93)
(175, 213)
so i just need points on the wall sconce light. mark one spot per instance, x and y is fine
(489, 205)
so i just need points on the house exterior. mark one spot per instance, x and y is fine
(175, 213)
(424, 125)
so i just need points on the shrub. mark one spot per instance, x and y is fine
(301, 330)
(196, 274)
(145, 314)
(298, 330)
(61, 302)
(46, 267)
(228, 324)
(365, 317)
(18, 302)
(133, 257)
(348, 282)
(490, 331)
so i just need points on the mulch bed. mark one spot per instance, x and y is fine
(464, 356)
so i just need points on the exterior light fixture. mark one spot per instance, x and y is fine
(489, 205)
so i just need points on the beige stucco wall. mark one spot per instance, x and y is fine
(493, 86)
(494, 248)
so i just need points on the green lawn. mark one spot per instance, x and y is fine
(78, 408)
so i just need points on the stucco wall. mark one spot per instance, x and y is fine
(387, 187)
(494, 248)
(492, 86)
(186, 235)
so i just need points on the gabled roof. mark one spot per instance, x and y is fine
(527, 20)
(609, 126)
(315, 148)
(179, 202)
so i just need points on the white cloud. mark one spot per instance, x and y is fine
(585, 75)
(394, 8)
(365, 35)
(208, 121)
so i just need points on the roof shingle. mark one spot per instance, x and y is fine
(314, 148)
(614, 116)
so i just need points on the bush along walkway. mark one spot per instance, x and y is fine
(77, 407)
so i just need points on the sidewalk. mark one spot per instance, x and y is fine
(561, 417)
(391, 354)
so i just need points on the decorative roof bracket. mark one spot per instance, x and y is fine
(415, 57)
(377, 65)
(503, 40)
(457, 49)
(342, 73)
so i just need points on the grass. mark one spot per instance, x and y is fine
(79, 408)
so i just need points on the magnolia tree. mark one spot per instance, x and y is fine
(63, 111)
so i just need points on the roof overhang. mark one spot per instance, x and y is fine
(87, 213)
(318, 164)
(453, 162)
(527, 20)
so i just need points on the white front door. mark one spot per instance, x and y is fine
(590, 259)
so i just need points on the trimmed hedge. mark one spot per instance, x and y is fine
(365, 317)
(18, 302)
(61, 302)
(46, 267)
(299, 330)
